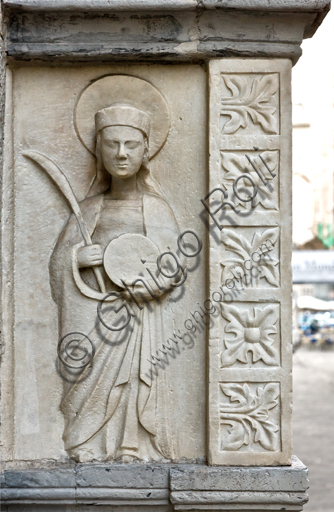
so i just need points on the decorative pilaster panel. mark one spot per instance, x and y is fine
(250, 355)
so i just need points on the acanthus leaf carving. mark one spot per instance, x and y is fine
(241, 251)
(252, 98)
(248, 416)
(236, 165)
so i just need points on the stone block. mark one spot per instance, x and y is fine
(121, 475)
(230, 478)
(158, 488)
(250, 347)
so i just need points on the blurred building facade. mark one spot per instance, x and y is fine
(313, 142)
(313, 158)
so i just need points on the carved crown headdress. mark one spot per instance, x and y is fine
(123, 115)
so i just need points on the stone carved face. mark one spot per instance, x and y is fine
(122, 150)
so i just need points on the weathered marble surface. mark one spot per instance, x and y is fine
(157, 488)
(260, 367)
(117, 5)
(250, 348)
(194, 29)
(45, 124)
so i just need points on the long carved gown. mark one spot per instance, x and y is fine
(115, 406)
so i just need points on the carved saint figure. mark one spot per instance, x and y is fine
(114, 408)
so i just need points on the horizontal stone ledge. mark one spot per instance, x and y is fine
(178, 477)
(127, 5)
(91, 502)
(116, 476)
(84, 495)
(36, 478)
(230, 507)
(38, 494)
(243, 498)
(156, 485)
(167, 51)
(123, 476)
(229, 478)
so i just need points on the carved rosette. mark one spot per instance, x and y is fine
(249, 335)
(250, 345)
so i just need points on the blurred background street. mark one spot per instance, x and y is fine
(313, 264)
(313, 423)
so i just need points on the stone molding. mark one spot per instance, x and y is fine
(185, 486)
(68, 30)
(124, 5)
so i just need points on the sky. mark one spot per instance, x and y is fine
(313, 75)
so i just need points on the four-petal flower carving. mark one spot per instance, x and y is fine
(252, 330)
(250, 98)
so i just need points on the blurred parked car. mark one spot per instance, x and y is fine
(317, 328)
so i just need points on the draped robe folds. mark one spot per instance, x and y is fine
(115, 405)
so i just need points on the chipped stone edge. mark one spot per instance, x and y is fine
(6, 250)
(46, 50)
(132, 485)
(122, 5)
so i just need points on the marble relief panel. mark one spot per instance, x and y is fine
(251, 178)
(250, 256)
(251, 335)
(250, 351)
(250, 416)
(249, 103)
(107, 161)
